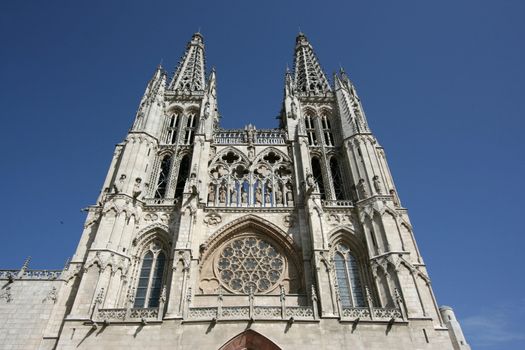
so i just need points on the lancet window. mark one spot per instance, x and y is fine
(348, 277)
(182, 176)
(327, 130)
(162, 182)
(318, 176)
(172, 127)
(310, 129)
(337, 179)
(149, 285)
(189, 130)
(266, 183)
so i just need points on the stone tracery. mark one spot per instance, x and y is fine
(235, 181)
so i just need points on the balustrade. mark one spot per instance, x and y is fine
(240, 136)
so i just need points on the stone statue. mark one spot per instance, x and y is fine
(222, 194)
(294, 110)
(206, 110)
(278, 196)
(289, 194)
(310, 184)
(137, 187)
(244, 195)
(192, 184)
(267, 198)
(395, 198)
(233, 196)
(377, 184)
(361, 189)
(211, 194)
(258, 195)
(118, 187)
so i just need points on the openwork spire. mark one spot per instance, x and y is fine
(309, 77)
(189, 75)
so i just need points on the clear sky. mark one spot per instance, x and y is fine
(442, 84)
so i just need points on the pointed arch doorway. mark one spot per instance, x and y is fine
(249, 340)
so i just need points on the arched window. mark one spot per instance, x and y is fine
(173, 125)
(183, 176)
(190, 127)
(310, 130)
(327, 130)
(337, 179)
(162, 183)
(150, 278)
(348, 279)
(318, 175)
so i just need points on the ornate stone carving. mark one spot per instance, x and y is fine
(212, 218)
(289, 220)
(51, 296)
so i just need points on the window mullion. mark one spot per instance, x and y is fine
(349, 281)
(150, 278)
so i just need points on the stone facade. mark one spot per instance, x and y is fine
(229, 239)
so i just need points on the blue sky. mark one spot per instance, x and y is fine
(442, 84)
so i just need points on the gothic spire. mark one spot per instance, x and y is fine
(189, 75)
(309, 77)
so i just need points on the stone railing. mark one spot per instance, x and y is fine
(25, 274)
(370, 314)
(241, 136)
(301, 313)
(270, 137)
(258, 307)
(159, 201)
(127, 315)
(337, 203)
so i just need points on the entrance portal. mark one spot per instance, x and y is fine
(250, 340)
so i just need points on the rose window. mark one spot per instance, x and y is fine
(250, 265)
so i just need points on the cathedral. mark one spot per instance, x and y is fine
(262, 239)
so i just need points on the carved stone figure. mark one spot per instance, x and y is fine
(222, 194)
(361, 189)
(192, 184)
(258, 195)
(211, 194)
(377, 184)
(310, 184)
(294, 110)
(119, 186)
(250, 133)
(233, 196)
(244, 195)
(278, 196)
(206, 110)
(137, 187)
(289, 194)
(395, 198)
